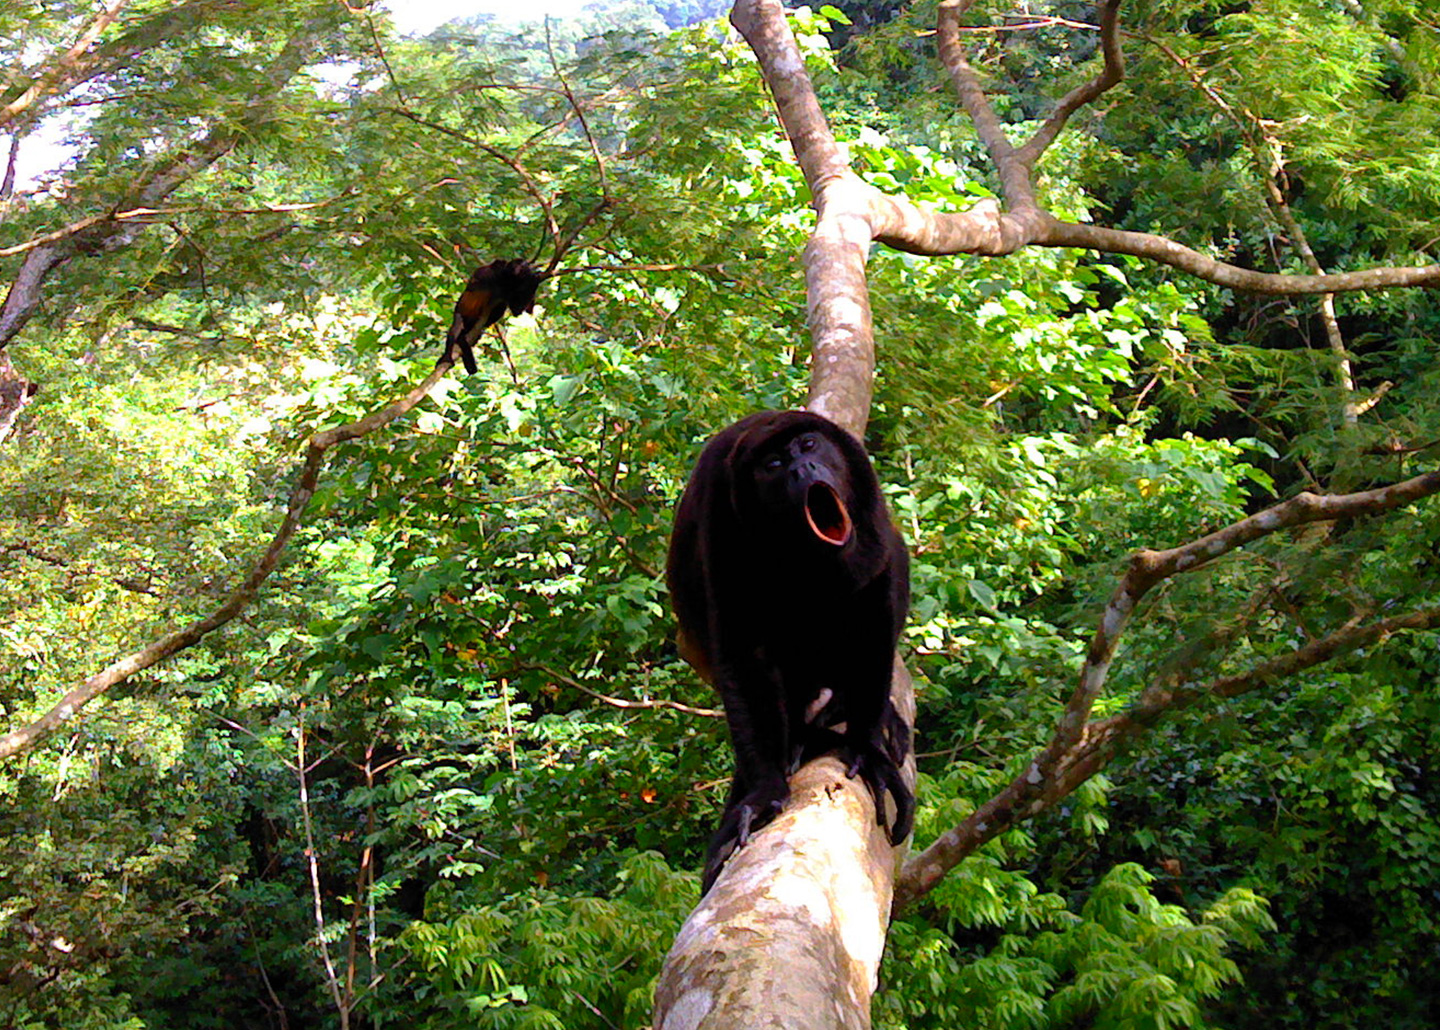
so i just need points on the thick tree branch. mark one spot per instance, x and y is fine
(792, 933)
(1014, 174)
(838, 297)
(1168, 252)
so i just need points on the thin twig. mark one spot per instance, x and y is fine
(526, 182)
(709, 713)
(380, 49)
(332, 980)
(606, 201)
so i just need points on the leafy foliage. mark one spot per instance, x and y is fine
(455, 723)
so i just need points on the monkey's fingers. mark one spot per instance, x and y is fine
(759, 807)
(894, 736)
(741, 818)
(882, 776)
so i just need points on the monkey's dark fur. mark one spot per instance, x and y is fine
(491, 289)
(791, 586)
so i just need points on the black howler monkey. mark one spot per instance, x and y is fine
(791, 586)
(491, 289)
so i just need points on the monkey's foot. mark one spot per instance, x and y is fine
(741, 819)
(756, 809)
(881, 774)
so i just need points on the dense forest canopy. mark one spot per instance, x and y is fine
(340, 689)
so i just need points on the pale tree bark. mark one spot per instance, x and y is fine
(792, 932)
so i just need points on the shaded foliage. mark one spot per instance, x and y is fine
(508, 788)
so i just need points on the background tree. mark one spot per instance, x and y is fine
(446, 767)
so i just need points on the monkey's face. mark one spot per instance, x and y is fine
(801, 483)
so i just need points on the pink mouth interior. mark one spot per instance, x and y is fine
(827, 515)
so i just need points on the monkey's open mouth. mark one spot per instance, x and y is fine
(827, 515)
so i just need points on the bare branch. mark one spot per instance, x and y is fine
(579, 110)
(1014, 173)
(135, 584)
(1110, 75)
(1343, 641)
(1147, 568)
(384, 59)
(312, 863)
(1078, 749)
(7, 185)
(852, 214)
(1103, 739)
(719, 270)
(1168, 252)
(1269, 160)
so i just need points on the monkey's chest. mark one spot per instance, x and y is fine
(810, 629)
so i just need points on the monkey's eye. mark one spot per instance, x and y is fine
(807, 442)
(773, 463)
